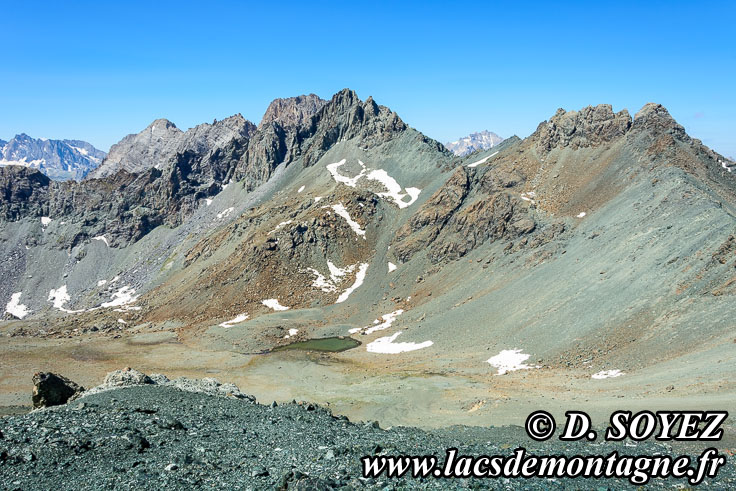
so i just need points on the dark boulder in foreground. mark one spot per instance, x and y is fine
(50, 389)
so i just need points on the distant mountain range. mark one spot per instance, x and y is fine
(474, 142)
(58, 159)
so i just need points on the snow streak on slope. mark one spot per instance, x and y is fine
(482, 161)
(341, 211)
(237, 320)
(359, 278)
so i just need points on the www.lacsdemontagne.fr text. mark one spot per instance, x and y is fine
(638, 469)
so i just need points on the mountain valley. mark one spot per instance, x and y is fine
(591, 264)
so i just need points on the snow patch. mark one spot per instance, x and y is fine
(103, 239)
(59, 297)
(15, 308)
(226, 212)
(300, 189)
(292, 332)
(509, 360)
(237, 320)
(208, 201)
(580, 215)
(388, 319)
(359, 278)
(273, 303)
(124, 296)
(348, 181)
(336, 274)
(101, 282)
(45, 221)
(321, 282)
(607, 374)
(387, 346)
(380, 175)
(317, 199)
(529, 196)
(394, 189)
(391, 267)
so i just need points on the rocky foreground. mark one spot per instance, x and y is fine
(140, 432)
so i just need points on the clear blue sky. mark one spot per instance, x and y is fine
(100, 70)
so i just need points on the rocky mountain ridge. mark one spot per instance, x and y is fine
(160, 142)
(58, 159)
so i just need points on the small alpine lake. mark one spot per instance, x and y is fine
(332, 345)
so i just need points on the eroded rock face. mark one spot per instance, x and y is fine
(426, 224)
(50, 389)
(463, 214)
(23, 191)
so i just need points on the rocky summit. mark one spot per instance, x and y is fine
(334, 254)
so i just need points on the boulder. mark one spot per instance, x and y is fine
(50, 389)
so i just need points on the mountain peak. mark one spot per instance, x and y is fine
(655, 117)
(348, 96)
(162, 125)
(292, 111)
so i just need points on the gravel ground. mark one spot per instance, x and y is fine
(153, 436)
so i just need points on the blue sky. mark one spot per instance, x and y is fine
(100, 70)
